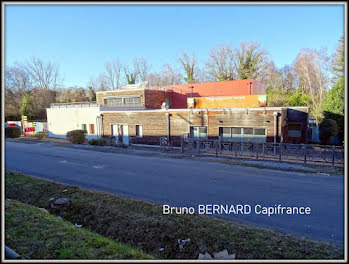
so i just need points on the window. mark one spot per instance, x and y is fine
(198, 132)
(248, 131)
(259, 131)
(84, 127)
(113, 101)
(242, 134)
(226, 132)
(122, 101)
(236, 130)
(92, 128)
(139, 131)
(132, 100)
(294, 130)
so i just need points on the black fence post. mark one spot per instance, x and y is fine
(256, 150)
(263, 150)
(216, 146)
(182, 144)
(305, 153)
(333, 152)
(198, 145)
(280, 151)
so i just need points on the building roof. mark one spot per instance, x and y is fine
(110, 109)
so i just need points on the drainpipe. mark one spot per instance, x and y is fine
(249, 88)
(191, 91)
(101, 125)
(97, 126)
(275, 130)
(275, 114)
(168, 127)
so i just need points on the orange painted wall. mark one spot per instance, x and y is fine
(225, 88)
(229, 101)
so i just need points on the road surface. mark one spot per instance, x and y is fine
(184, 182)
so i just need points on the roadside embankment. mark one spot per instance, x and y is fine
(143, 225)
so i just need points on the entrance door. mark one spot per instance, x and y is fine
(115, 132)
(125, 140)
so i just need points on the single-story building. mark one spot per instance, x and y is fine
(64, 117)
(231, 110)
(261, 124)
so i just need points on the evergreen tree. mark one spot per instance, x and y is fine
(334, 105)
(297, 98)
(91, 94)
(26, 108)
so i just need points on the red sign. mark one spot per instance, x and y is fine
(29, 129)
(11, 125)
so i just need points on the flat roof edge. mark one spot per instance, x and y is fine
(207, 109)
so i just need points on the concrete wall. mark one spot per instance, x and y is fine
(62, 120)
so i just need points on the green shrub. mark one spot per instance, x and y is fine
(12, 132)
(41, 134)
(327, 128)
(98, 142)
(77, 136)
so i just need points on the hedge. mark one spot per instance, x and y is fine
(12, 132)
(97, 142)
(77, 136)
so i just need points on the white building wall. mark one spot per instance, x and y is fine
(62, 120)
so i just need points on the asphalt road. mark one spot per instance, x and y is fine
(181, 182)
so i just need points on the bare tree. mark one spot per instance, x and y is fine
(270, 75)
(248, 60)
(113, 72)
(41, 99)
(98, 83)
(220, 64)
(17, 83)
(17, 79)
(142, 67)
(312, 68)
(289, 79)
(167, 76)
(43, 74)
(189, 64)
(71, 94)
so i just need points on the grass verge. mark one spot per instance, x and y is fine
(142, 224)
(36, 234)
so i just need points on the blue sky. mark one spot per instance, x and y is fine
(81, 38)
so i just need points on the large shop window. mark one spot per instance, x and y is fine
(242, 134)
(198, 132)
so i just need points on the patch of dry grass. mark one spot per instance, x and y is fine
(143, 225)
